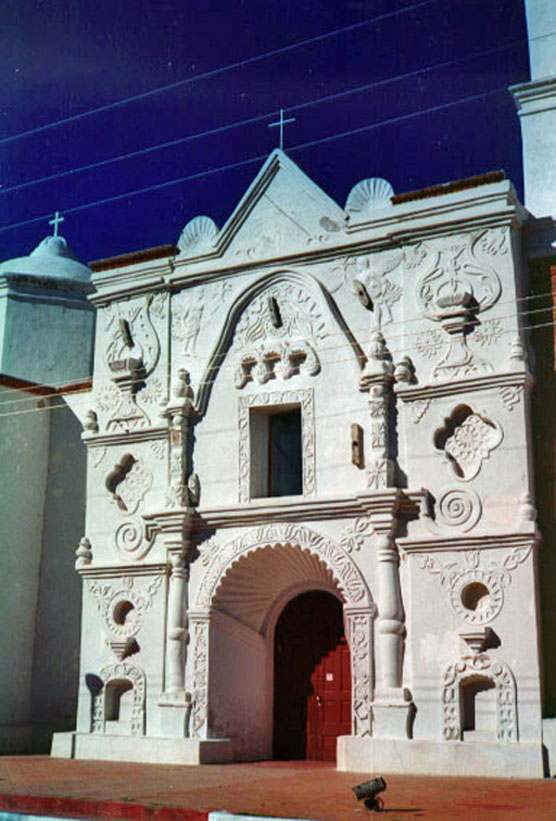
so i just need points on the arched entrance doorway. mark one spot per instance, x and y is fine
(312, 681)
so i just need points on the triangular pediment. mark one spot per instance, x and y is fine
(283, 212)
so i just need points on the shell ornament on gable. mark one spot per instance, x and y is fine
(198, 236)
(369, 195)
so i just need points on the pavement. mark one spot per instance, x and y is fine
(305, 789)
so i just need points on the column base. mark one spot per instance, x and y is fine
(103, 747)
(393, 713)
(497, 759)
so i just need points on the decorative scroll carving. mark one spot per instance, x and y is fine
(132, 335)
(96, 456)
(476, 594)
(458, 266)
(130, 540)
(359, 626)
(480, 665)
(467, 439)
(511, 396)
(337, 560)
(199, 714)
(277, 335)
(301, 397)
(121, 673)
(122, 606)
(458, 508)
(354, 538)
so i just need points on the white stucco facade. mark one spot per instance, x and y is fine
(393, 326)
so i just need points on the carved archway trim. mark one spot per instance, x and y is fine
(480, 666)
(344, 570)
(304, 280)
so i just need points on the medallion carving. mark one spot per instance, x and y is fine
(467, 439)
(122, 604)
(476, 593)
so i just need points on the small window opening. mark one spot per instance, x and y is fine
(479, 709)
(118, 700)
(276, 452)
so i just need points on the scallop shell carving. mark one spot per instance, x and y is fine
(368, 195)
(198, 235)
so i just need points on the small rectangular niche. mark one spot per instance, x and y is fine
(276, 451)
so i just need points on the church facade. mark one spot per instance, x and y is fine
(309, 436)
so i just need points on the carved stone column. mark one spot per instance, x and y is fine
(392, 708)
(183, 485)
(176, 635)
(199, 626)
(391, 621)
(377, 380)
(359, 627)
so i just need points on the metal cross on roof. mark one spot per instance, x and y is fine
(56, 222)
(281, 122)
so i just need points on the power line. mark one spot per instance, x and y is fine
(251, 120)
(221, 70)
(220, 368)
(260, 157)
(363, 330)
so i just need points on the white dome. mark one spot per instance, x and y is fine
(51, 258)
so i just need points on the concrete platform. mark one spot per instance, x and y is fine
(294, 790)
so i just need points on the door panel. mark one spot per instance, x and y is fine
(312, 695)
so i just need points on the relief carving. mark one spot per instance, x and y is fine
(122, 605)
(277, 335)
(199, 713)
(467, 439)
(480, 665)
(372, 286)
(128, 483)
(193, 308)
(121, 673)
(476, 593)
(333, 556)
(131, 334)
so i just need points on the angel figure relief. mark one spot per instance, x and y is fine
(372, 287)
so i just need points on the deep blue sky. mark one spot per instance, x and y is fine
(59, 59)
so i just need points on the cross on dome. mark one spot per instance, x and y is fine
(281, 123)
(56, 222)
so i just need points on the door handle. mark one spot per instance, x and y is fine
(318, 699)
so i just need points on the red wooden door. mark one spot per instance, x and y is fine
(329, 707)
(312, 683)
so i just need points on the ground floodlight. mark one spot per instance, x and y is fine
(368, 792)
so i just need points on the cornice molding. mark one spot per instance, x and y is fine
(465, 541)
(535, 96)
(416, 393)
